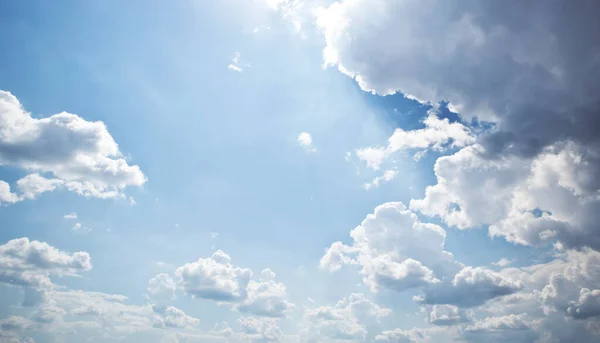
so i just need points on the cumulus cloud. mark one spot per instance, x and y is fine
(510, 328)
(472, 287)
(448, 315)
(172, 317)
(266, 297)
(438, 134)
(215, 278)
(542, 105)
(161, 287)
(30, 263)
(588, 304)
(257, 330)
(401, 336)
(395, 250)
(305, 140)
(348, 320)
(81, 156)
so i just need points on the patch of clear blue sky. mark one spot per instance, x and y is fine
(219, 147)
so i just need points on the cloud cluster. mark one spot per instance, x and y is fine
(63, 151)
(215, 278)
(349, 320)
(31, 263)
(438, 134)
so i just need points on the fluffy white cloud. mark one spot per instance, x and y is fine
(256, 330)
(437, 134)
(472, 287)
(161, 287)
(31, 263)
(448, 315)
(401, 336)
(510, 328)
(214, 278)
(266, 297)
(305, 140)
(530, 201)
(172, 317)
(394, 250)
(217, 279)
(348, 320)
(80, 155)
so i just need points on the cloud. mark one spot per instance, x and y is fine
(235, 64)
(30, 263)
(217, 279)
(161, 287)
(214, 278)
(256, 330)
(172, 317)
(438, 134)
(503, 262)
(266, 297)
(71, 215)
(588, 304)
(446, 315)
(348, 320)
(401, 336)
(78, 227)
(80, 155)
(387, 176)
(395, 250)
(529, 201)
(472, 287)
(543, 62)
(510, 328)
(540, 152)
(305, 140)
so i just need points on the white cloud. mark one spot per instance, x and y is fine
(236, 65)
(438, 134)
(509, 328)
(31, 263)
(472, 287)
(448, 315)
(305, 140)
(401, 336)
(78, 227)
(80, 155)
(348, 320)
(72, 215)
(503, 262)
(387, 176)
(214, 278)
(172, 317)
(266, 297)
(161, 287)
(217, 279)
(262, 330)
(394, 250)
(588, 304)
(6, 196)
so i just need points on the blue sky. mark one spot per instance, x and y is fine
(225, 169)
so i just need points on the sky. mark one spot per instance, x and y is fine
(305, 171)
